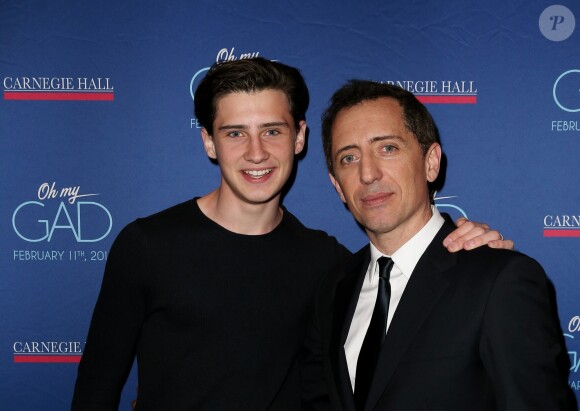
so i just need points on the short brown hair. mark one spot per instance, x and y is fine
(249, 75)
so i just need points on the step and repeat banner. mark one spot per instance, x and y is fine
(97, 128)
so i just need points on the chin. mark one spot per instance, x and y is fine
(378, 227)
(261, 199)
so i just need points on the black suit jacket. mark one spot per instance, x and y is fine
(474, 330)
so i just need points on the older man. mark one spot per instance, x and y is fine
(406, 325)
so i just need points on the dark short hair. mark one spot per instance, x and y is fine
(415, 115)
(249, 76)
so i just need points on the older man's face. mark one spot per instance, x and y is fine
(380, 171)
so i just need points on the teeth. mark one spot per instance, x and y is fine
(258, 173)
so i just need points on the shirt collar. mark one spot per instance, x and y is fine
(408, 255)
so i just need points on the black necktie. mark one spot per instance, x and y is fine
(375, 336)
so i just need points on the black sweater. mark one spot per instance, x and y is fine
(215, 318)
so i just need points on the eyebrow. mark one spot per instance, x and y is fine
(388, 137)
(263, 125)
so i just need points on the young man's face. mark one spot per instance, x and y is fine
(254, 141)
(380, 170)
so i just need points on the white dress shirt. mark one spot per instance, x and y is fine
(405, 259)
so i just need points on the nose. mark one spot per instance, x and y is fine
(256, 152)
(369, 171)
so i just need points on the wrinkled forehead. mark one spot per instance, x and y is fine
(384, 114)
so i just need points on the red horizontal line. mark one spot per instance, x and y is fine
(47, 358)
(561, 233)
(447, 99)
(58, 95)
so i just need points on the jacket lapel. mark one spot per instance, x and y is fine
(345, 301)
(425, 287)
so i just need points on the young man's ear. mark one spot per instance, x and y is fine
(208, 144)
(300, 137)
(337, 187)
(433, 162)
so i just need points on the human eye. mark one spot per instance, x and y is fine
(347, 159)
(389, 148)
(234, 133)
(272, 132)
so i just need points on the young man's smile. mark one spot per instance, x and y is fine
(255, 141)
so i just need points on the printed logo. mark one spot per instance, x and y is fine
(557, 23)
(566, 91)
(451, 209)
(574, 324)
(566, 94)
(42, 220)
(222, 55)
(562, 225)
(440, 91)
(58, 88)
(47, 351)
(572, 343)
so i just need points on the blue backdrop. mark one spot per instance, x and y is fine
(97, 128)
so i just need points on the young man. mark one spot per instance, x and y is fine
(213, 295)
(406, 325)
